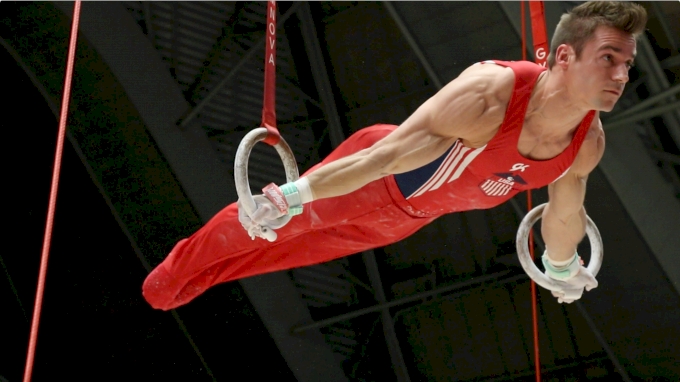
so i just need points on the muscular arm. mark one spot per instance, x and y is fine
(459, 110)
(564, 218)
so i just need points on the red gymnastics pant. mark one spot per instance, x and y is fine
(327, 229)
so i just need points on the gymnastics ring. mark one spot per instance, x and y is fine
(241, 165)
(527, 263)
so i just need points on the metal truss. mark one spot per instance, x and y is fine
(256, 48)
(632, 114)
(572, 365)
(222, 43)
(497, 278)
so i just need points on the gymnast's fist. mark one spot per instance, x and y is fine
(574, 287)
(274, 208)
(573, 276)
(264, 220)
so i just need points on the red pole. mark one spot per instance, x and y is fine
(53, 193)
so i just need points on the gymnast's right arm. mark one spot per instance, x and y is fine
(467, 108)
(456, 111)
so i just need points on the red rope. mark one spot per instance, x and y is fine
(534, 306)
(269, 108)
(53, 193)
(540, 39)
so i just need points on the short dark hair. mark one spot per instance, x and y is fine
(577, 26)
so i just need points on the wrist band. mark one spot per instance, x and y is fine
(277, 197)
(289, 197)
(290, 191)
(561, 270)
(559, 264)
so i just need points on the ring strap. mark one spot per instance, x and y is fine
(269, 108)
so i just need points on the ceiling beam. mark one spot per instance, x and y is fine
(146, 11)
(213, 56)
(415, 47)
(398, 363)
(498, 278)
(672, 158)
(631, 119)
(670, 62)
(657, 83)
(664, 25)
(320, 75)
(257, 47)
(578, 365)
(671, 91)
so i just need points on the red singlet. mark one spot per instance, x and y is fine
(467, 178)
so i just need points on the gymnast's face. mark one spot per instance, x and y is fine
(596, 79)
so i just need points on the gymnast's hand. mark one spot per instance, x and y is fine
(264, 220)
(574, 277)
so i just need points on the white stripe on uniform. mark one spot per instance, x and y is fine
(456, 162)
(437, 174)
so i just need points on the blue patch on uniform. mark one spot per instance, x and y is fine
(409, 182)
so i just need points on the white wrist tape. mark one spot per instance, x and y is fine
(559, 264)
(304, 190)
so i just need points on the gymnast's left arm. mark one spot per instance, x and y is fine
(564, 218)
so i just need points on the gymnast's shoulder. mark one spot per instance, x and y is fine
(475, 101)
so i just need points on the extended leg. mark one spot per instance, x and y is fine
(222, 251)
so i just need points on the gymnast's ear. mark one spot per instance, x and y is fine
(564, 56)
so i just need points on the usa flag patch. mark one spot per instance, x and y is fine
(501, 185)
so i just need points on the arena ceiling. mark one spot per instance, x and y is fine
(163, 93)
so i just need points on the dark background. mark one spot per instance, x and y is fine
(96, 326)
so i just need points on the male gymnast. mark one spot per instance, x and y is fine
(497, 129)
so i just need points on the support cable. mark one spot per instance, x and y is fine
(534, 309)
(53, 192)
(540, 49)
